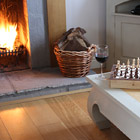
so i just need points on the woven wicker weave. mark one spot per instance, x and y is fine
(73, 63)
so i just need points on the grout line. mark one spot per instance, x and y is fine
(6, 76)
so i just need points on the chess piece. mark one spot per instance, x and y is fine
(128, 63)
(133, 65)
(138, 75)
(138, 62)
(118, 61)
(118, 74)
(118, 64)
(127, 75)
(133, 62)
(123, 67)
(128, 71)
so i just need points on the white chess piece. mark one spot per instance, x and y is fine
(133, 65)
(128, 64)
(118, 64)
(138, 62)
(133, 62)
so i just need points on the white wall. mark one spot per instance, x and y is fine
(90, 15)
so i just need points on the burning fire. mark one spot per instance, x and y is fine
(8, 34)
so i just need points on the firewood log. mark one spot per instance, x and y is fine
(81, 30)
(64, 37)
(85, 40)
(76, 45)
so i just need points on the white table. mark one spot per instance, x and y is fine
(107, 105)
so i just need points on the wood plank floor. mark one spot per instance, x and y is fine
(57, 118)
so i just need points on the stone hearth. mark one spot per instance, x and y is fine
(31, 83)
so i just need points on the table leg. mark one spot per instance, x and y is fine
(94, 111)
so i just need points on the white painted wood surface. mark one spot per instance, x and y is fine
(115, 105)
(122, 30)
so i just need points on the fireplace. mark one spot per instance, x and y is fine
(23, 34)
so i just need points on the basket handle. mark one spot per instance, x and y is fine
(92, 47)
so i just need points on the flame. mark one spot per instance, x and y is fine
(8, 34)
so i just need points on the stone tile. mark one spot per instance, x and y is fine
(5, 86)
(29, 80)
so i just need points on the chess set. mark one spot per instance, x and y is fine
(126, 75)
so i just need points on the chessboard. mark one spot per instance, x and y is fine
(125, 75)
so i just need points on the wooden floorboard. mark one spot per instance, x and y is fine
(56, 131)
(80, 100)
(4, 135)
(40, 113)
(19, 125)
(57, 118)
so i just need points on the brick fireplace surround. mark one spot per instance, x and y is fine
(45, 79)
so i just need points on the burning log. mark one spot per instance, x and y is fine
(73, 40)
(2, 48)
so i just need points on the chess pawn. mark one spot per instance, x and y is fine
(133, 71)
(138, 68)
(133, 76)
(128, 66)
(118, 71)
(123, 75)
(138, 71)
(123, 67)
(127, 75)
(138, 75)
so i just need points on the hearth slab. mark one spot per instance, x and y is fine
(40, 79)
(5, 86)
(32, 83)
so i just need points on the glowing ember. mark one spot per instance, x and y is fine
(8, 33)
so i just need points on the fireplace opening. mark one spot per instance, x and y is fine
(14, 35)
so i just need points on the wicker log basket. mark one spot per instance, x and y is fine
(74, 63)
